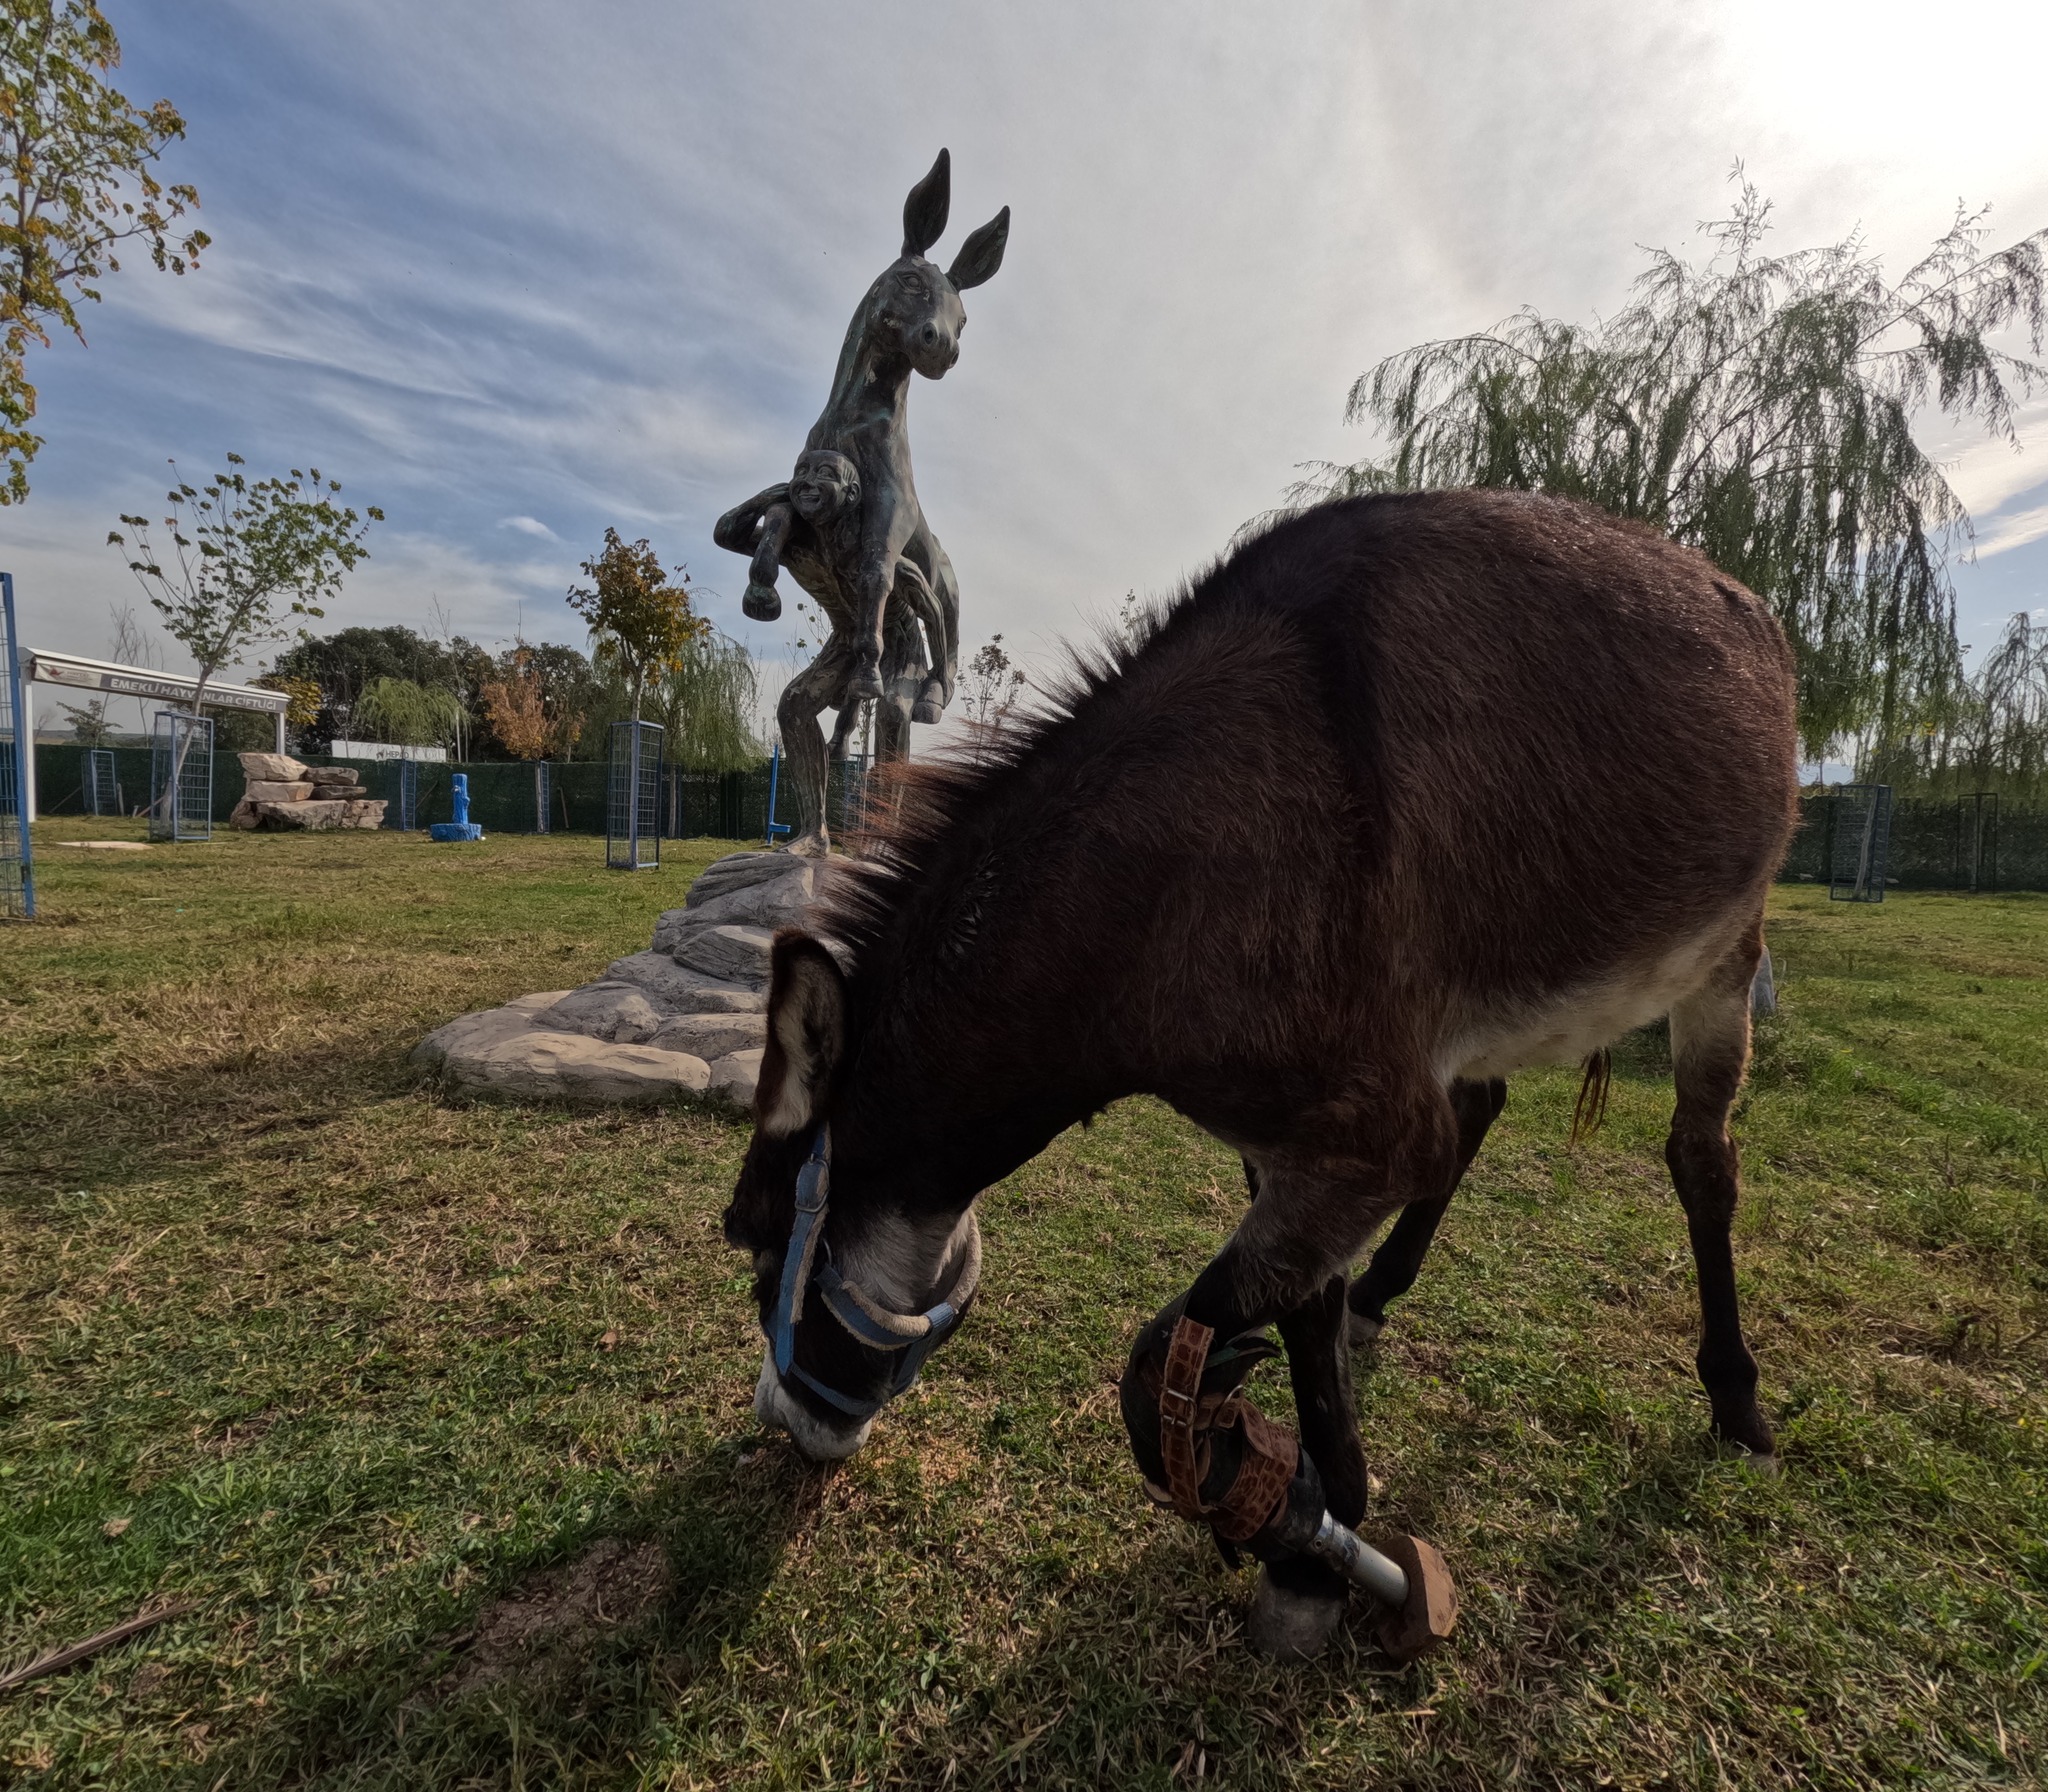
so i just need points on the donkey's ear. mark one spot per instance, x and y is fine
(806, 1036)
(924, 212)
(981, 254)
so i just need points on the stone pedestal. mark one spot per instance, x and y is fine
(685, 1017)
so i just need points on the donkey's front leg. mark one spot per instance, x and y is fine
(1285, 1263)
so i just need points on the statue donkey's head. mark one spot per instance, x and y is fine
(913, 308)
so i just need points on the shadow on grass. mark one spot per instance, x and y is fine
(576, 1707)
(106, 1133)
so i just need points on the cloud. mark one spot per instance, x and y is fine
(528, 525)
(2001, 534)
(516, 290)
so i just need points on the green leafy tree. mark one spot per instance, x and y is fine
(80, 182)
(992, 684)
(242, 557)
(1760, 407)
(1993, 734)
(412, 715)
(704, 704)
(639, 621)
(89, 724)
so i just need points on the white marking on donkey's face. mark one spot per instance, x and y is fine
(902, 1264)
(818, 1440)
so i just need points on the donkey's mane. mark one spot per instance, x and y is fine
(921, 805)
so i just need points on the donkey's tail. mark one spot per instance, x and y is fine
(1589, 1112)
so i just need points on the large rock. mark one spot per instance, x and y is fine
(710, 1036)
(685, 992)
(684, 1018)
(733, 1079)
(731, 954)
(617, 1012)
(503, 1052)
(765, 889)
(318, 816)
(741, 870)
(263, 790)
(272, 768)
(334, 774)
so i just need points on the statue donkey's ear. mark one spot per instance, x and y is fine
(924, 212)
(981, 254)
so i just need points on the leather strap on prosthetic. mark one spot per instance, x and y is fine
(1189, 1424)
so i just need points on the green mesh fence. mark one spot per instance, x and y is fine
(1972, 844)
(1934, 845)
(720, 805)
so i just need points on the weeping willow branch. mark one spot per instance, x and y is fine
(1760, 408)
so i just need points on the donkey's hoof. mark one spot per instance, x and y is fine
(763, 603)
(864, 684)
(1287, 1626)
(1362, 1328)
(1759, 1462)
(925, 710)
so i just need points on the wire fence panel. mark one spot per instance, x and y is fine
(17, 864)
(632, 833)
(181, 777)
(1859, 842)
(100, 782)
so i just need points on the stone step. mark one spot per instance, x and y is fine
(685, 992)
(731, 954)
(710, 1036)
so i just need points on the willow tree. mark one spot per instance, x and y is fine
(1762, 408)
(412, 715)
(705, 701)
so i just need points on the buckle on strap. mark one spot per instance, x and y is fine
(1186, 1418)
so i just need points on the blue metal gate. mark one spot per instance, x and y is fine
(17, 868)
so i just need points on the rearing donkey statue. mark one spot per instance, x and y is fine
(847, 523)
(1408, 794)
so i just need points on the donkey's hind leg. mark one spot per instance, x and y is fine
(1398, 1260)
(1709, 1053)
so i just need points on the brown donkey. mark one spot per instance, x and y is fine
(1408, 793)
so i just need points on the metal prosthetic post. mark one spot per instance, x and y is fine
(1209, 1454)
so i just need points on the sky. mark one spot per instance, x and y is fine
(516, 272)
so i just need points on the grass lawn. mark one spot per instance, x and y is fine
(441, 1414)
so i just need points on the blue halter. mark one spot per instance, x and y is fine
(843, 1301)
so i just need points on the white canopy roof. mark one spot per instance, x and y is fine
(141, 681)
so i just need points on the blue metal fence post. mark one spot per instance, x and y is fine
(774, 784)
(17, 861)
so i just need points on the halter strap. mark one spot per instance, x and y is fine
(864, 1318)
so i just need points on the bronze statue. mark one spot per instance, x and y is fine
(847, 523)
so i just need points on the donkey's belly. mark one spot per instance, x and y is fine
(1494, 1039)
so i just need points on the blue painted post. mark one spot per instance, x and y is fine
(17, 862)
(774, 785)
(461, 828)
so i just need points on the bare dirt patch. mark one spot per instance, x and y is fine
(553, 1616)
